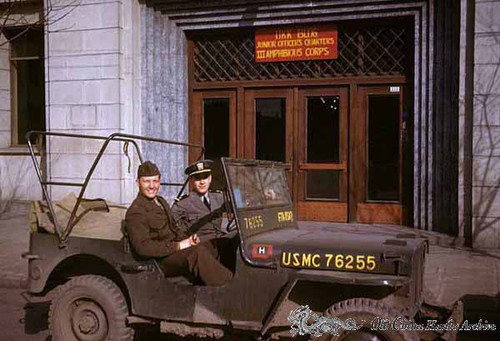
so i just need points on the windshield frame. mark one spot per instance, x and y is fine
(262, 209)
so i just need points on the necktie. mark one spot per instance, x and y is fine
(205, 201)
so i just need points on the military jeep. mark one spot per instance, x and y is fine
(101, 290)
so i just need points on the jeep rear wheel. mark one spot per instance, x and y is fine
(89, 308)
(367, 310)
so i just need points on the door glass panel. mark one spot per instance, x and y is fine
(216, 135)
(270, 129)
(322, 184)
(383, 147)
(323, 129)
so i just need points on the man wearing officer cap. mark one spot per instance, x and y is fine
(201, 209)
(154, 233)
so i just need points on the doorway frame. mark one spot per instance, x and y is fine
(321, 209)
(359, 206)
(196, 118)
(353, 84)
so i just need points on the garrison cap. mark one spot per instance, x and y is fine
(202, 166)
(147, 168)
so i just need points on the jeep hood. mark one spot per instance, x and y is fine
(327, 249)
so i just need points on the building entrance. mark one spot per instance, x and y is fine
(342, 148)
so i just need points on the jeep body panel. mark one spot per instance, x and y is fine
(247, 297)
(47, 256)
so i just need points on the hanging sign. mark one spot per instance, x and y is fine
(296, 43)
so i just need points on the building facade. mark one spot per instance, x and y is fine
(402, 126)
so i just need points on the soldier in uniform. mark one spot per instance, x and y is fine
(153, 233)
(201, 210)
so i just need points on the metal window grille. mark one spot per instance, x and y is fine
(372, 52)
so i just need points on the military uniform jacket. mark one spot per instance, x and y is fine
(193, 212)
(151, 227)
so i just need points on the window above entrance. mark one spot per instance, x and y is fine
(363, 50)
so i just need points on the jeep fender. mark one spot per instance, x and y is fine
(284, 304)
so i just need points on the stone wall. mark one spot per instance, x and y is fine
(103, 60)
(164, 94)
(115, 67)
(91, 56)
(5, 114)
(486, 126)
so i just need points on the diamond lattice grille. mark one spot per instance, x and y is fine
(376, 51)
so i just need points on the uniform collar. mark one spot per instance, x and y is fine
(155, 200)
(205, 196)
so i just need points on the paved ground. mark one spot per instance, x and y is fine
(14, 240)
(17, 322)
(452, 271)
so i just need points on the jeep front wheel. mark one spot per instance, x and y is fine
(365, 312)
(89, 308)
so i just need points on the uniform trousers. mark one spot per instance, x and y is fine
(200, 261)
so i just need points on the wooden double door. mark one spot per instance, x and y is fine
(342, 148)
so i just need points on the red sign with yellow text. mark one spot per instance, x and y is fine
(295, 43)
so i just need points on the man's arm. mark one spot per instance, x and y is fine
(144, 245)
(180, 215)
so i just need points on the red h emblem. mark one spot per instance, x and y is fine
(262, 251)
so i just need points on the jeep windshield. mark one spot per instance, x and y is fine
(256, 186)
(260, 196)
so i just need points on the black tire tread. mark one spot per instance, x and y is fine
(371, 306)
(102, 284)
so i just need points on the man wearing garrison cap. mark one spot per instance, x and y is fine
(153, 233)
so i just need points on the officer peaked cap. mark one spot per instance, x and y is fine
(147, 168)
(202, 166)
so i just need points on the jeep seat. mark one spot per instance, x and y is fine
(127, 247)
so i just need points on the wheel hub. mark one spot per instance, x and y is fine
(89, 322)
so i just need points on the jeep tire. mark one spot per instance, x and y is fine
(89, 308)
(367, 310)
